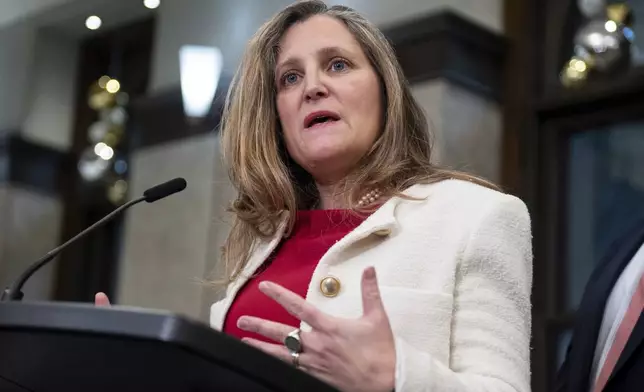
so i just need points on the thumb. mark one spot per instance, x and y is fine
(371, 300)
(100, 299)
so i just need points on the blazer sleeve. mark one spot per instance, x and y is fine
(490, 336)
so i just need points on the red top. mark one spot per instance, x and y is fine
(290, 266)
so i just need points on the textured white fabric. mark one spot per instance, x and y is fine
(455, 273)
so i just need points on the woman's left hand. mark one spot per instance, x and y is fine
(352, 355)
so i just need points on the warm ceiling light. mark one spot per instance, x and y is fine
(93, 22)
(200, 68)
(112, 86)
(151, 4)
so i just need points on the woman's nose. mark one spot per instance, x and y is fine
(315, 88)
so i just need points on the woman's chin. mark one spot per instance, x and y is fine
(324, 157)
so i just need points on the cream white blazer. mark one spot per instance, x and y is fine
(455, 274)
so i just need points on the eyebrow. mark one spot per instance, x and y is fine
(329, 51)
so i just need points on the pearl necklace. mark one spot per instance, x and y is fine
(369, 198)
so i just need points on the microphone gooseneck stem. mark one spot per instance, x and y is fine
(14, 293)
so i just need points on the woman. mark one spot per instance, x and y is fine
(330, 155)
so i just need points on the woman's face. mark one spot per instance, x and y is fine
(328, 98)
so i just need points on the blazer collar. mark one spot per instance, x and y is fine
(381, 222)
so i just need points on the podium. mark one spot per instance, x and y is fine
(53, 347)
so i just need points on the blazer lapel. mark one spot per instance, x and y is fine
(637, 336)
(260, 254)
(591, 310)
(380, 222)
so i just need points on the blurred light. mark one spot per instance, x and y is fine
(113, 86)
(117, 191)
(121, 185)
(93, 22)
(579, 66)
(104, 151)
(99, 98)
(611, 42)
(151, 4)
(595, 40)
(620, 12)
(97, 131)
(580, 51)
(91, 166)
(200, 68)
(111, 139)
(628, 33)
(99, 147)
(574, 73)
(117, 116)
(610, 26)
(120, 166)
(107, 153)
(102, 81)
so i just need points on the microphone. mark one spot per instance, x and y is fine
(14, 292)
(164, 190)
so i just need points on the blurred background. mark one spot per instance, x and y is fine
(101, 99)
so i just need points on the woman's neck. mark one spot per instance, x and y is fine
(330, 197)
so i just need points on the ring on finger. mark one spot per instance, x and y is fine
(293, 342)
(295, 359)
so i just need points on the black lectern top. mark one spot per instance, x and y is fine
(54, 347)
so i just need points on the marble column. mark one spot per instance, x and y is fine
(36, 108)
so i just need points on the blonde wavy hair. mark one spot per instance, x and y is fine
(268, 181)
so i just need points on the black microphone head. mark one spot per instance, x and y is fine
(164, 190)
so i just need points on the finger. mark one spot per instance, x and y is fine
(305, 360)
(371, 299)
(100, 299)
(297, 306)
(270, 329)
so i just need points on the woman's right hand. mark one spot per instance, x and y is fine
(100, 299)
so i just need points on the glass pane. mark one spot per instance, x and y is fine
(605, 197)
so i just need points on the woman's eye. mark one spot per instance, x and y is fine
(339, 65)
(290, 78)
